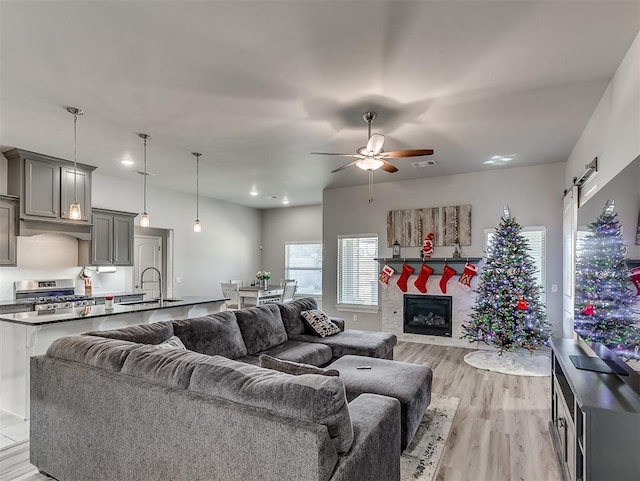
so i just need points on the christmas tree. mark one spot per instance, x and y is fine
(508, 312)
(604, 298)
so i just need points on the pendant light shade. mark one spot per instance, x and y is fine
(144, 217)
(75, 212)
(197, 227)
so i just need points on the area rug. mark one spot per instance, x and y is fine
(517, 363)
(420, 461)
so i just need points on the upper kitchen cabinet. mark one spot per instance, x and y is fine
(8, 234)
(46, 187)
(112, 238)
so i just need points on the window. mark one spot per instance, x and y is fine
(535, 237)
(303, 262)
(358, 271)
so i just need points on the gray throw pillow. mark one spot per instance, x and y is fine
(173, 342)
(319, 323)
(295, 368)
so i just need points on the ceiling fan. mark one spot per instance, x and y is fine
(371, 157)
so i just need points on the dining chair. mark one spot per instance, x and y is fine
(240, 282)
(232, 291)
(289, 287)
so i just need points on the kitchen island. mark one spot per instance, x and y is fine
(26, 334)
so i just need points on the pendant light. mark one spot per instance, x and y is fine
(197, 227)
(144, 217)
(75, 212)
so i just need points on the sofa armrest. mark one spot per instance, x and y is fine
(338, 321)
(375, 452)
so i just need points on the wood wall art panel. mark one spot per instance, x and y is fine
(409, 226)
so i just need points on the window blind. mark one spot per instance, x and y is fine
(357, 270)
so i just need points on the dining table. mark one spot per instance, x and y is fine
(257, 295)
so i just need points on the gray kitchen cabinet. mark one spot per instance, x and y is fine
(112, 238)
(8, 234)
(45, 186)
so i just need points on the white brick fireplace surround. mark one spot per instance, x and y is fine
(462, 301)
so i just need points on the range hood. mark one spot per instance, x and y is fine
(35, 227)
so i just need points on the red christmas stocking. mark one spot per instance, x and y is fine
(407, 270)
(468, 274)
(447, 273)
(635, 278)
(421, 281)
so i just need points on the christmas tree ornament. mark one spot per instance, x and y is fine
(385, 275)
(407, 270)
(427, 246)
(467, 274)
(635, 279)
(423, 277)
(522, 305)
(447, 273)
(588, 310)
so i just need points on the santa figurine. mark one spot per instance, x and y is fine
(427, 246)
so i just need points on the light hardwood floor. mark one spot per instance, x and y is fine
(499, 433)
(500, 430)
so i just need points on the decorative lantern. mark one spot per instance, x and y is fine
(396, 249)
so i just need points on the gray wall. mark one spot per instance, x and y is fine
(534, 195)
(290, 224)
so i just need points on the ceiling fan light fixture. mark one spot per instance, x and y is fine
(369, 164)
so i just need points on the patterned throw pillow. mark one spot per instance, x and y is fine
(319, 323)
(294, 368)
(173, 342)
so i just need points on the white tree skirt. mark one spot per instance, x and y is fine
(517, 363)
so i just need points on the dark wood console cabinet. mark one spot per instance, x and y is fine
(595, 418)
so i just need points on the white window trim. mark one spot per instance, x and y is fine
(345, 307)
(286, 268)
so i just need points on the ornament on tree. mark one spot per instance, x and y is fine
(522, 304)
(423, 277)
(427, 246)
(588, 310)
(407, 270)
(467, 274)
(385, 275)
(635, 278)
(447, 273)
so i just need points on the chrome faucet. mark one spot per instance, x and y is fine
(159, 277)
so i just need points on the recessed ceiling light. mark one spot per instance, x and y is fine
(285, 201)
(499, 159)
(253, 193)
(127, 162)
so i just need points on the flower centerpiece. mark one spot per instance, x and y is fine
(263, 278)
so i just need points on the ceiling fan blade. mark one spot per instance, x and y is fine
(344, 166)
(388, 167)
(341, 155)
(396, 154)
(374, 146)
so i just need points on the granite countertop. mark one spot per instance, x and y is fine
(100, 295)
(38, 318)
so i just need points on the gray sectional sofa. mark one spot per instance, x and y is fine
(114, 405)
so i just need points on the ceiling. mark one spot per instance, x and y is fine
(255, 86)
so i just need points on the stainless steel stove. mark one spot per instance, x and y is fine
(50, 294)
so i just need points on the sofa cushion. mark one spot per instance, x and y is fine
(261, 327)
(356, 342)
(291, 314)
(109, 354)
(309, 353)
(294, 368)
(143, 333)
(213, 334)
(320, 399)
(168, 367)
(319, 323)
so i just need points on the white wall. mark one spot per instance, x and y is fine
(534, 195)
(613, 132)
(290, 224)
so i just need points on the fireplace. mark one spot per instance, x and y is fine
(430, 315)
